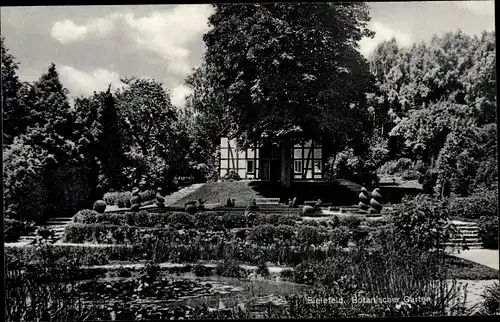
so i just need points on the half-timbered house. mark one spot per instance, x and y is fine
(262, 161)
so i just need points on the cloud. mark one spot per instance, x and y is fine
(382, 33)
(169, 33)
(179, 94)
(481, 8)
(66, 31)
(85, 83)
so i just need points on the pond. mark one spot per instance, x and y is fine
(178, 295)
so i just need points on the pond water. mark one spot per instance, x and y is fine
(231, 291)
(172, 291)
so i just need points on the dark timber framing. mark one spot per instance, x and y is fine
(310, 154)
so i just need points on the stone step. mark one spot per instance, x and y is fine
(466, 239)
(477, 244)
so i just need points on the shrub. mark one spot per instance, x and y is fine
(423, 221)
(263, 270)
(311, 235)
(393, 167)
(99, 206)
(308, 210)
(482, 203)
(13, 229)
(151, 269)
(269, 234)
(202, 270)
(340, 236)
(231, 176)
(117, 198)
(287, 274)
(99, 233)
(335, 222)
(491, 296)
(233, 220)
(190, 208)
(488, 231)
(306, 273)
(229, 268)
(351, 221)
(86, 216)
(123, 272)
(410, 175)
(45, 232)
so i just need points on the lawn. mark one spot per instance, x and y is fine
(336, 193)
(463, 269)
(219, 192)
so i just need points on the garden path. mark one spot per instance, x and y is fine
(475, 290)
(486, 257)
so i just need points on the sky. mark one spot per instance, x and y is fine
(94, 46)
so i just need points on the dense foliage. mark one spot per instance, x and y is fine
(423, 222)
(436, 103)
(60, 157)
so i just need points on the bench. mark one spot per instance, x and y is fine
(267, 201)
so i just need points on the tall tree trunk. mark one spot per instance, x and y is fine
(286, 167)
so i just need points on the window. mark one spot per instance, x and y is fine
(317, 142)
(297, 166)
(317, 166)
(250, 166)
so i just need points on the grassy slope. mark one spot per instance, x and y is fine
(213, 192)
(463, 269)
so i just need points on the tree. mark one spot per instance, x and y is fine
(154, 146)
(287, 71)
(43, 165)
(204, 118)
(10, 85)
(99, 140)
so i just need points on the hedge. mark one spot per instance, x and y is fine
(180, 220)
(483, 203)
(488, 231)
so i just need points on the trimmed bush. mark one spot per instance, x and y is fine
(202, 270)
(99, 206)
(160, 200)
(190, 208)
(364, 199)
(135, 200)
(229, 268)
(263, 270)
(376, 202)
(86, 216)
(231, 176)
(117, 198)
(308, 210)
(488, 231)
